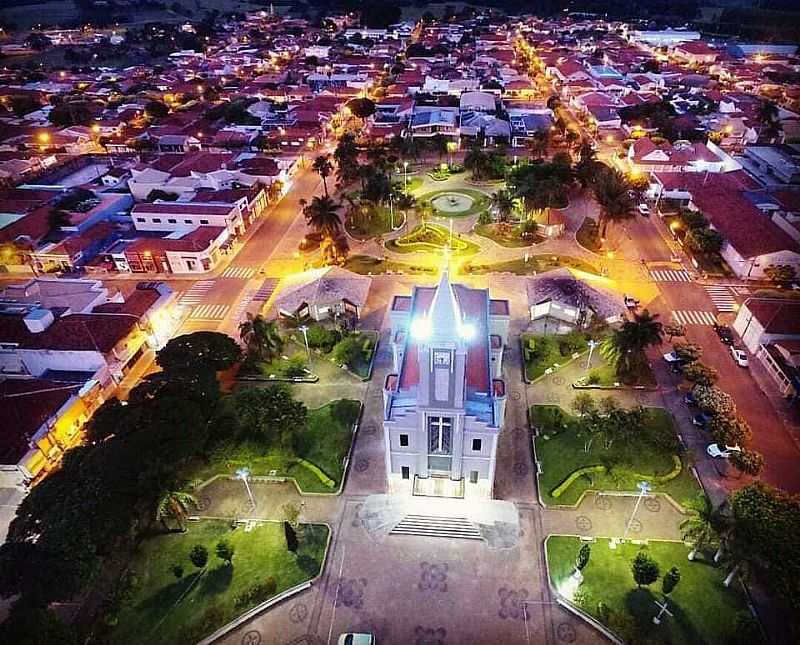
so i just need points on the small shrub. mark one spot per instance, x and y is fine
(177, 570)
(295, 367)
(320, 337)
(199, 556)
(593, 378)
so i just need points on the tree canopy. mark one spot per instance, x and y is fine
(201, 349)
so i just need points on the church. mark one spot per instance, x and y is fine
(444, 400)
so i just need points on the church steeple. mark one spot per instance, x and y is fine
(444, 317)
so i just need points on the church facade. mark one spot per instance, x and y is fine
(444, 400)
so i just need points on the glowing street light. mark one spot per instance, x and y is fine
(644, 489)
(304, 329)
(244, 474)
(405, 170)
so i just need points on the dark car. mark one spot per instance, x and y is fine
(689, 399)
(725, 334)
(701, 420)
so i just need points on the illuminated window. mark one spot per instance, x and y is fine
(439, 435)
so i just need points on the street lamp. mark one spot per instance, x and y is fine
(405, 170)
(592, 344)
(304, 329)
(644, 489)
(243, 474)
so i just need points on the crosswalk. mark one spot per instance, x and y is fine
(238, 313)
(693, 317)
(670, 275)
(197, 292)
(209, 312)
(243, 273)
(721, 296)
(266, 290)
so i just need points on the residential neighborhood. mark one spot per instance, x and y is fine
(377, 324)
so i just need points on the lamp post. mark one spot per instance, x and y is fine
(592, 344)
(644, 488)
(405, 182)
(304, 329)
(243, 474)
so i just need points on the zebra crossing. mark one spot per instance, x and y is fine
(721, 296)
(238, 313)
(242, 273)
(197, 292)
(266, 290)
(209, 312)
(670, 275)
(693, 317)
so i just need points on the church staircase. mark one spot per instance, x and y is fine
(437, 526)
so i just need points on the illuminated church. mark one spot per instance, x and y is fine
(445, 399)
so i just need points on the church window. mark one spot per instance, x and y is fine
(440, 435)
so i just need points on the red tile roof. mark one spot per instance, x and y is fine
(776, 316)
(76, 332)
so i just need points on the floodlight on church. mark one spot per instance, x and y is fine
(467, 331)
(420, 328)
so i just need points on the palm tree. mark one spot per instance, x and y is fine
(476, 161)
(323, 167)
(503, 201)
(587, 166)
(700, 529)
(261, 336)
(625, 349)
(538, 143)
(322, 215)
(611, 192)
(174, 504)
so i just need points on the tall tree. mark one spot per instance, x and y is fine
(261, 336)
(322, 215)
(611, 192)
(323, 167)
(626, 346)
(503, 202)
(201, 349)
(700, 527)
(174, 504)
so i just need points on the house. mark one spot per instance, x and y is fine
(560, 303)
(477, 102)
(752, 240)
(444, 400)
(430, 121)
(323, 293)
(645, 156)
(695, 53)
(770, 329)
(183, 216)
(778, 164)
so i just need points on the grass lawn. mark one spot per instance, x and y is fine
(431, 237)
(369, 265)
(704, 611)
(164, 609)
(292, 363)
(508, 235)
(326, 439)
(588, 235)
(378, 223)
(602, 373)
(535, 264)
(414, 183)
(563, 452)
(549, 350)
(480, 201)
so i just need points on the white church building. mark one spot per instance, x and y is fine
(444, 400)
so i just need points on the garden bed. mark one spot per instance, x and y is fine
(507, 235)
(292, 366)
(535, 264)
(166, 609)
(605, 376)
(324, 443)
(541, 352)
(369, 265)
(560, 452)
(431, 237)
(704, 610)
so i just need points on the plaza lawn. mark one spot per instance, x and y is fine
(535, 264)
(588, 235)
(507, 235)
(167, 610)
(292, 364)
(546, 351)
(704, 611)
(369, 265)
(562, 453)
(431, 237)
(325, 442)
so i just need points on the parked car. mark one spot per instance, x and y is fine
(724, 332)
(672, 357)
(630, 302)
(689, 399)
(356, 639)
(701, 420)
(644, 210)
(739, 357)
(722, 452)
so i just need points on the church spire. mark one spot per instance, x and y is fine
(445, 314)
